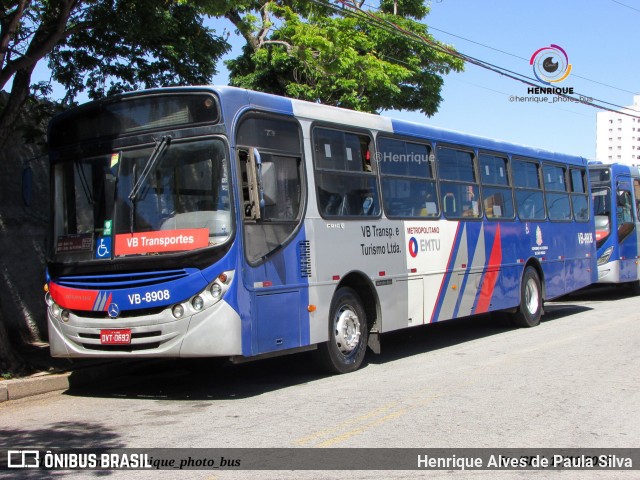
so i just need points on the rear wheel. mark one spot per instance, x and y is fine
(348, 334)
(530, 310)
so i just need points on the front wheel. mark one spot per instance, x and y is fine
(530, 310)
(348, 334)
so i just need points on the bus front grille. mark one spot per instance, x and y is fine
(132, 347)
(122, 280)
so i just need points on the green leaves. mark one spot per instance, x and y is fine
(353, 61)
(307, 49)
(129, 45)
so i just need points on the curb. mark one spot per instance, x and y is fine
(50, 382)
(34, 385)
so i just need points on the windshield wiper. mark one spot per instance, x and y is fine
(161, 147)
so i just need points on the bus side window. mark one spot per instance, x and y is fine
(273, 182)
(528, 190)
(408, 181)
(346, 185)
(579, 195)
(458, 183)
(497, 193)
(558, 205)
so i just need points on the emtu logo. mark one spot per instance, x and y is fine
(413, 247)
(550, 64)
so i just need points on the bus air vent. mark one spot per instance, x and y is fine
(122, 280)
(304, 251)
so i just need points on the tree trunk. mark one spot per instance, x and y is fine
(19, 93)
(10, 360)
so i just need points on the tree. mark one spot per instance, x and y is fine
(102, 47)
(303, 49)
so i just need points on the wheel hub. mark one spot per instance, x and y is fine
(531, 296)
(347, 330)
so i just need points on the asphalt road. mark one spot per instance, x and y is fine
(571, 382)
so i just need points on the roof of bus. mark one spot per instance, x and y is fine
(237, 100)
(316, 111)
(616, 168)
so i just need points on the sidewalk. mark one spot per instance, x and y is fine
(60, 373)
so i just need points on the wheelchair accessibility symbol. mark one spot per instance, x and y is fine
(103, 247)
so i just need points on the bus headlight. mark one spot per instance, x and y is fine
(55, 310)
(204, 299)
(604, 258)
(178, 311)
(216, 290)
(197, 302)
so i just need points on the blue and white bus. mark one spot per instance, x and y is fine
(615, 193)
(220, 222)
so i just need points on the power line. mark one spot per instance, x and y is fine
(431, 27)
(625, 5)
(354, 10)
(526, 59)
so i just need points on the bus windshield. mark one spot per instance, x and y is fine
(601, 197)
(166, 198)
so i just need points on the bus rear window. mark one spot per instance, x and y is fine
(108, 120)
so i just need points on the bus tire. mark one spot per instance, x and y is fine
(530, 309)
(348, 334)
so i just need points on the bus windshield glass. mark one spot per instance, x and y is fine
(165, 198)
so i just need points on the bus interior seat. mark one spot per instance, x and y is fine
(336, 204)
(494, 205)
(449, 203)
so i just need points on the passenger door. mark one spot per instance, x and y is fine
(627, 232)
(273, 195)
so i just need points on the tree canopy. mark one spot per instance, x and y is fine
(307, 50)
(102, 47)
(316, 50)
(323, 51)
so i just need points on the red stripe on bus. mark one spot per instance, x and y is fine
(73, 298)
(491, 276)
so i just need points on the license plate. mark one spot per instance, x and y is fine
(115, 337)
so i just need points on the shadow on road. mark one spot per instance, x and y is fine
(67, 435)
(198, 380)
(601, 292)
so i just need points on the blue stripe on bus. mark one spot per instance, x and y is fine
(235, 101)
(428, 133)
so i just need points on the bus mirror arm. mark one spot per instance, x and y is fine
(255, 206)
(258, 158)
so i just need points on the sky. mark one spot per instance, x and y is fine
(597, 35)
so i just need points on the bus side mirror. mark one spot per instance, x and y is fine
(254, 201)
